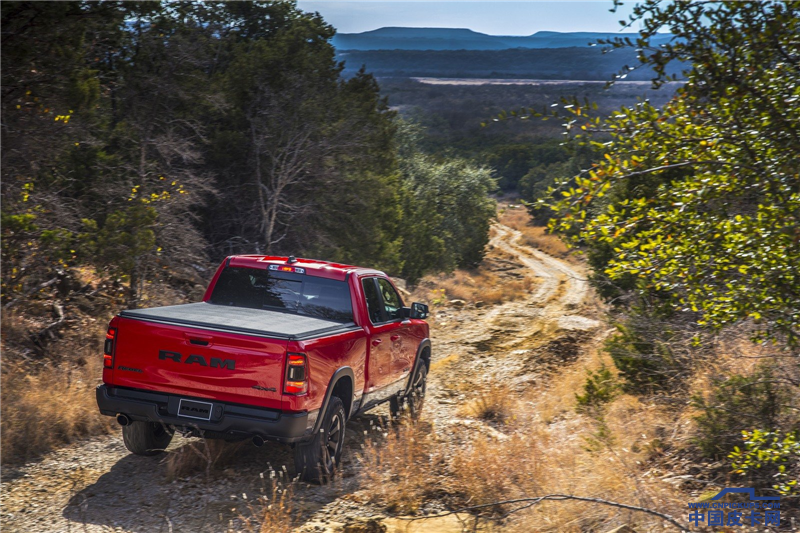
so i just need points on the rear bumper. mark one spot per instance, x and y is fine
(226, 419)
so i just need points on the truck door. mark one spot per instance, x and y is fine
(403, 342)
(384, 341)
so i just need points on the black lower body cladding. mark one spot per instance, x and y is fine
(225, 419)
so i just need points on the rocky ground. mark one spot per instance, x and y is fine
(97, 486)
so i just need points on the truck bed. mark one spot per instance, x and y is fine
(258, 322)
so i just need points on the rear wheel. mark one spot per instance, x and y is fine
(316, 461)
(146, 438)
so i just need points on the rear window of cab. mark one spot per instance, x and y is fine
(291, 292)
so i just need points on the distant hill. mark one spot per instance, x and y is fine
(464, 39)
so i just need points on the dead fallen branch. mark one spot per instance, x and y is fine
(530, 502)
(35, 289)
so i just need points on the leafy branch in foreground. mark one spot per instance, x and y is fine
(769, 458)
(699, 200)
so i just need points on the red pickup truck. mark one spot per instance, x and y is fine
(280, 349)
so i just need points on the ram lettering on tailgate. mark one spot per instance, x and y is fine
(216, 362)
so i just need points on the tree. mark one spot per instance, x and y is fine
(699, 200)
(448, 210)
(50, 92)
(100, 135)
(154, 146)
(304, 158)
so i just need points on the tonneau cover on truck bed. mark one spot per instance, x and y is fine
(260, 322)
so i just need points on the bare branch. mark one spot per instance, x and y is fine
(530, 502)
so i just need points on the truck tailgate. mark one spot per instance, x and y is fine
(196, 362)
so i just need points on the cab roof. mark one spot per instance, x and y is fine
(314, 267)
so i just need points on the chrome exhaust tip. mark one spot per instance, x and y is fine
(258, 441)
(123, 420)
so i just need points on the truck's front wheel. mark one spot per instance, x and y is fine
(412, 402)
(316, 460)
(146, 438)
(416, 397)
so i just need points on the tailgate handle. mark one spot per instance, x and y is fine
(198, 341)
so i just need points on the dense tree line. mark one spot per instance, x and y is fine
(146, 138)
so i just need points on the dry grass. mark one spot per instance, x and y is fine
(53, 403)
(207, 456)
(556, 400)
(273, 511)
(536, 236)
(492, 470)
(576, 456)
(494, 402)
(401, 466)
(49, 376)
(546, 447)
(473, 286)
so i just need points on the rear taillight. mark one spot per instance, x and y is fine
(296, 374)
(108, 348)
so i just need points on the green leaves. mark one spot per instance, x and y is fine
(447, 208)
(770, 457)
(703, 194)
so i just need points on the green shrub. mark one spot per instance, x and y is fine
(737, 404)
(769, 460)
(651, 354)
(600, 388)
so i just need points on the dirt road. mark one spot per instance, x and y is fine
(97, 486)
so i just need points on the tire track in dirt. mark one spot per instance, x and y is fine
(475, 346)
(561, 289)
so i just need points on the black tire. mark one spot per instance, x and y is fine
(416, 396)
(316, 460)
(396, 407)
(146, 438)
(412, 402)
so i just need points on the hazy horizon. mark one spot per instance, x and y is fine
(507, 18)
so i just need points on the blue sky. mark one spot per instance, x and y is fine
(494, 18)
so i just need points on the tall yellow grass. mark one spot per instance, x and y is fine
(272, 512)
(402, 466)
(484, 286)
(51, 407)
(536, 236)
(206, 456)
(546, 447)
(48, 396)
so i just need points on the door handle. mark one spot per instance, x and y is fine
(394, 337)
(376, 342)
(198, 340)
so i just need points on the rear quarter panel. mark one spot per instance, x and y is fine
(325, 356)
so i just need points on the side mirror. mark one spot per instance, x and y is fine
(419, 310)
